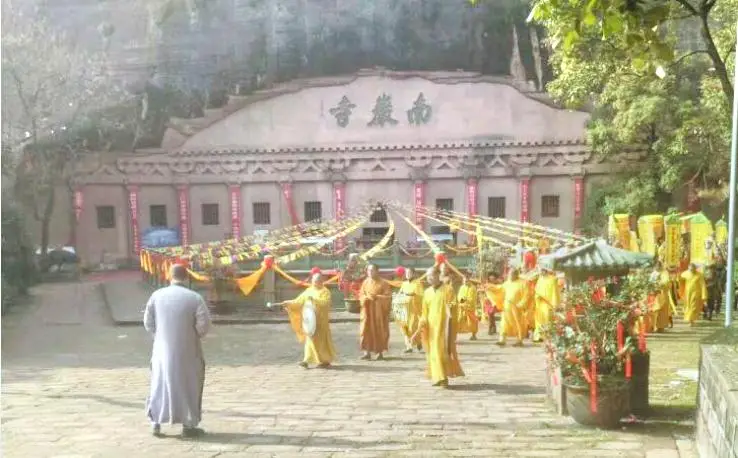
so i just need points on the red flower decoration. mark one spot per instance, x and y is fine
(400, 271)
(315, 270)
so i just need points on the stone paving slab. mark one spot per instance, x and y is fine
(80, 390)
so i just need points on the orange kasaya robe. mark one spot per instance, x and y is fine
(374, 328)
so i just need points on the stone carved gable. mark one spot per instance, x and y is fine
(388, 109)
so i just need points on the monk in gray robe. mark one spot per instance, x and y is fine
(178, 318)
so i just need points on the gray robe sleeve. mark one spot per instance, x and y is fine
(149, 320)
(202, 318)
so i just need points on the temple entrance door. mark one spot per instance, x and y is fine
(370, 236)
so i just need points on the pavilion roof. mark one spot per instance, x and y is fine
(596, 257)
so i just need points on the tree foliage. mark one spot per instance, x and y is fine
(656, 77)
(61, 105)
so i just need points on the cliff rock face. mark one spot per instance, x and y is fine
(241, 45)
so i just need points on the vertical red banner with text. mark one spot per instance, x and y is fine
(419, 202)
(472, 189)
(578, 203)
(287, 193)
(235, 192)
(525, 200)
(339, 208)
(133, 208)
(183, 198)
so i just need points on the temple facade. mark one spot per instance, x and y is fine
(318, 148)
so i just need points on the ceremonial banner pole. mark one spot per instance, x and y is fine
(730, 281)
(578, 203)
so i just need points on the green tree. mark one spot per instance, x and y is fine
(60, 104)
(656, 77)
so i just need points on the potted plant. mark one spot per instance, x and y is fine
(350, 282)
(589, 341)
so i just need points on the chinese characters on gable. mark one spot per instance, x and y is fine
(382, 113)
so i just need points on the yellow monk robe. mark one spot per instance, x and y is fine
(496, 296)
(695, 295)
(467, 305)
(414, 307)
(319, 348)
(440, 334)
(548, 297)
(662, 305)
(374, 327)
(515, 300)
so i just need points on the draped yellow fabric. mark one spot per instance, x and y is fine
(547, 297)
(248, 283)
(198, 276)
(319, 348)
(440, 326)
(467, 318)
(695, 295)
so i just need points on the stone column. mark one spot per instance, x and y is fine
(234, 190)
(133, 213)
(183, 203)
(578, 203)
(78, 200)
(525, 199)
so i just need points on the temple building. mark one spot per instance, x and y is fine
(316, 148)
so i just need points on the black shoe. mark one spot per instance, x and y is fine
(156, 431)
(303, 364)
(192, 432)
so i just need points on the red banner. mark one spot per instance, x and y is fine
(525, 200)
(235, 211)
(578, 203)
(78, 203)
(287, 192)
(183, 196)
(472, 188)
(339, 208)
(133, 208)
(419, 202)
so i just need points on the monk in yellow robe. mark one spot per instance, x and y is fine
(695, 294)
(548, 297)
(375, 297)
(515, 300)
(661, 307)
(466, 299)
(495, 301)
(413, 288)
(440, 324)
(319, 348)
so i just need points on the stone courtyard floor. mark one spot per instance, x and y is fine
(73, 384)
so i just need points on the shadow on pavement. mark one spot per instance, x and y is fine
(373, 368)
(274, 439)
(515, 390)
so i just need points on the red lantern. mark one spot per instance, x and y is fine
(315, 270)
(440, 258)
(268, 262)
(400, 271)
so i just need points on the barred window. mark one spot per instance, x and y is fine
(158, 215)
(379, 216)
(496, 207)
(550, 206)
(445, 204)
(313, 211)
(262, 213)
(210, 215)
(105, 217)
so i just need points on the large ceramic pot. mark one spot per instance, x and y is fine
(639, 383)
(352, 305)
(613, 402)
